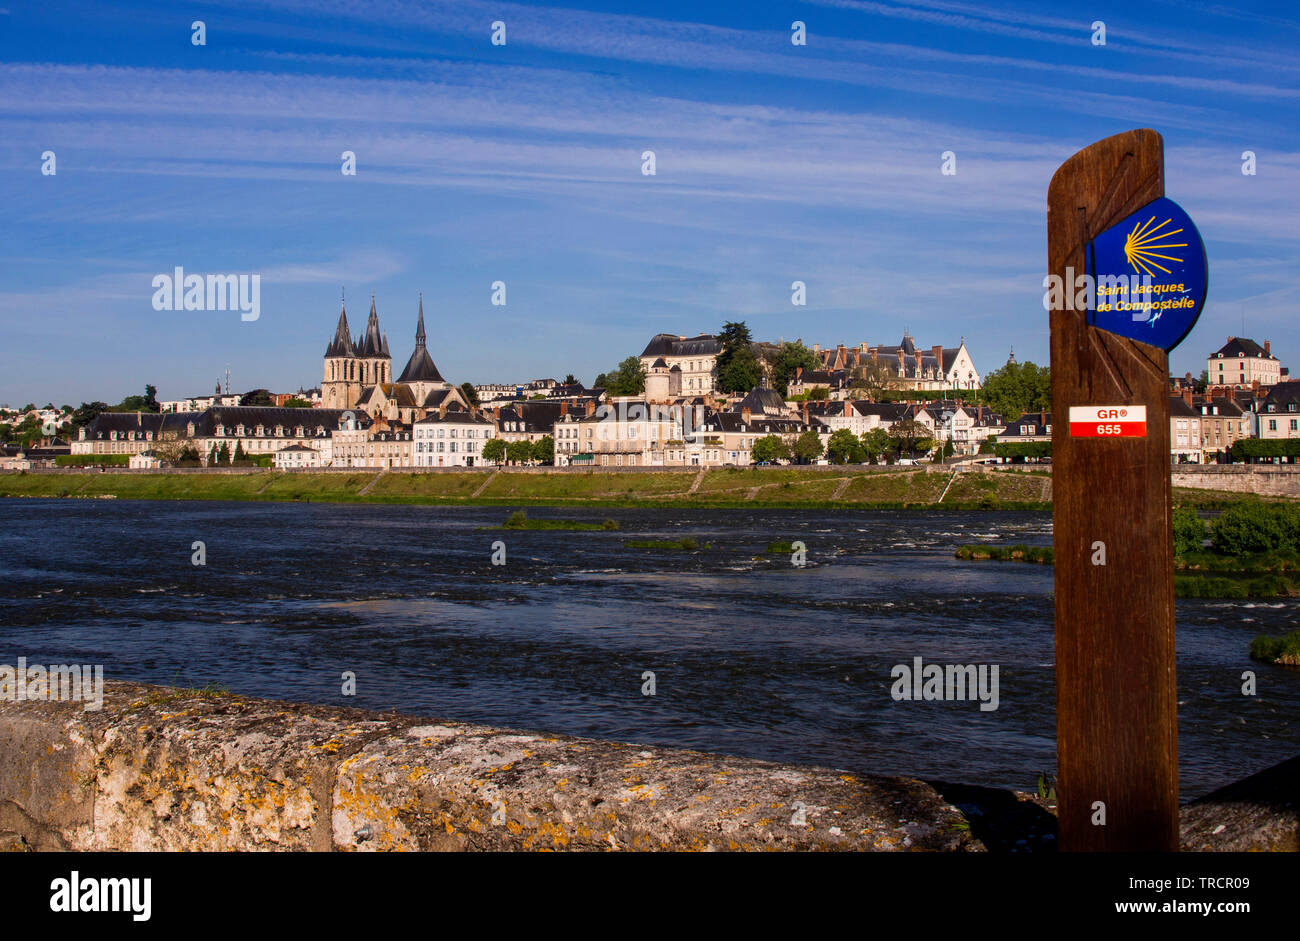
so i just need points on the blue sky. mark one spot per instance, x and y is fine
(522, 163)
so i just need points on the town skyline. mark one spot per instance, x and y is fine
(523, 164)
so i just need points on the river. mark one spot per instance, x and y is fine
(751, 655)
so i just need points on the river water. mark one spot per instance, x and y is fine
(751, 654)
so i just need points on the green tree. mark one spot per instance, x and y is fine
(738, 367)
(876, 442)
(1017, 451)
(1017, 388)
(223, 455)
(807, 447)
(544, 450)
(296, 402)
(789, 358)
(257, 397)
(628, 379)
(909, 436)
(494, 451)
(519, 452)
(570, 380)
(844, 447)
(770, 449)
(471, 395)
(240, 457)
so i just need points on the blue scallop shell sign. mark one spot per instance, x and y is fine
(1149, 275)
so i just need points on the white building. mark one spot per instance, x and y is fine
(451, 438)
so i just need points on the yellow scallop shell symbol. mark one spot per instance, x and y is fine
(1143, 245)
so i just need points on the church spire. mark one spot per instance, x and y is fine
(341, 345)
(419, 329)
(373, 343)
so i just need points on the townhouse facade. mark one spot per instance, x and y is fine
(1241, 362)
(451, 438)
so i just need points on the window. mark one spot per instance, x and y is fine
(1272, 425)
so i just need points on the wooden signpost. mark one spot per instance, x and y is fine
(1117, 736)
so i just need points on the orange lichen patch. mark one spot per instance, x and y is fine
(514, 827)
(851, 779)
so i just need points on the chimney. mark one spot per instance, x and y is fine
(745, 414)
(591, 407)
(848, 408)
(805, 411)
(442, 410)
(862, 347)
(1187, 396)
(817, 347)
(564, 409)
(918, 364)
(1267, 347)
(875, 354)
(938, 357)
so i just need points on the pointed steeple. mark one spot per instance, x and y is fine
(420, 367)
(342, 344)
(372, 345)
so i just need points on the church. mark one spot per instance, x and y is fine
(359, 375)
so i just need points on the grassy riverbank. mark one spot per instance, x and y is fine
(776, 487)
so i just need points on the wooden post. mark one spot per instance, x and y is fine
(1116, 709)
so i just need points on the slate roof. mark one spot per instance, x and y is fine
(1038, 422)
(454, 416)
(671, 344)
(535, 416)
(342, 344)
(372, 344)
(1237, 346)
(420, 367)
(1280, 396)
(763, 401)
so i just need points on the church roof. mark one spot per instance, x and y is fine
(341, 345)
(372, 344)
(420, 367)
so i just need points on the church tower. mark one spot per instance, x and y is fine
(420, 374)
(375, 363)
(341, 384)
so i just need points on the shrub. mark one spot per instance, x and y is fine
(92, 460)
(1284, 649)
(1256, 527)
(1189, 531)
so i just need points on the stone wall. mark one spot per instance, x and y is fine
(1270, 480)
(168, 769)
